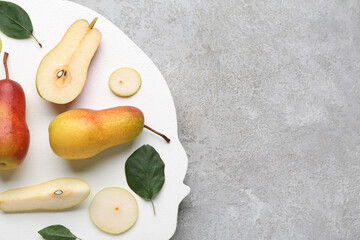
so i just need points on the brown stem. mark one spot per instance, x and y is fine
(160, 134)
(93, 23)
(5, 65)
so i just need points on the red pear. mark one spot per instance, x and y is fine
(14, 133)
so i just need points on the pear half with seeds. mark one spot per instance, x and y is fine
(57, 194)
(63, 71)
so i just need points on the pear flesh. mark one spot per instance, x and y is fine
(114, 210)
(56, 194)
(63, 71)
(125, 82)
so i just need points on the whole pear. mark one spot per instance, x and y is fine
(14, 133)
(83, 133)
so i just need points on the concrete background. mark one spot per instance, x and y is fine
(267, 97)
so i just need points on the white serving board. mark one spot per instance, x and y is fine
(51, 19)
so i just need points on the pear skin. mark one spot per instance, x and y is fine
(14, 133)
(83, 133)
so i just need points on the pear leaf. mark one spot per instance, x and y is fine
(57, 232)
(144, 171)
(15, 22)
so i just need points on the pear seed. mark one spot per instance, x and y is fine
(58, 192)
(60, 73)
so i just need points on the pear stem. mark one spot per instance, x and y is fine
(158, 133)
(36, 40)
(5, 65)
(93, 23)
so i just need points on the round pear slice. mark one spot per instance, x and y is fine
(114, 210)
(125, 82)
(56, 194)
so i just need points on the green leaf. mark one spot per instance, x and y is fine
(57, 232)
(144, 171)
(14, 21)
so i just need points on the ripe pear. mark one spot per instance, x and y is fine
(14, 133)
(83, 133)
(62, 72)
(56, 194)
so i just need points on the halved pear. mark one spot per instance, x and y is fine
(63, 71)
(125, 82)
(57, 194)
(114, 210)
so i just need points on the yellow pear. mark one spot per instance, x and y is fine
(56, 194)
(62, 72)
(83, 133)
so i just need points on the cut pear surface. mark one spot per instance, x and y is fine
(114, 210)
(56, 194)
(63, 71)
(125, 82)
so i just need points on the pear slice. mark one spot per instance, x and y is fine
(114, 210)
(125, 82)
(56, 194)
(63, 71)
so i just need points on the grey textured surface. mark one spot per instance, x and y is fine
(267, 97)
